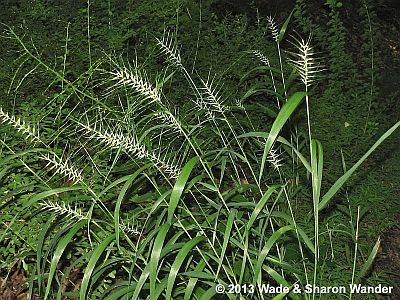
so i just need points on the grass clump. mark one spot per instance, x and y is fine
(147, 200)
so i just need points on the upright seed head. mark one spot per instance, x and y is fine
(304, 61)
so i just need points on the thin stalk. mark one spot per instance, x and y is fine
(88, 33)
(315, 199)
(198, 37)
(281, 68)
(65, 54)
(355, 251)
(55, 73)
(372, 82)
(295, 225)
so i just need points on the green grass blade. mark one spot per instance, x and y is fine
(67, 273)
(209, 293)
(297, 152)
(280, 280)
(121, 196)
(282, 140)
(62, 244)
(39, 250)
(283, 115)
(370, 260)
(120, 180)
(155, 255)
(264, 252)
(179, 186)
(339, 183)
(18, 154)
(254, 134)
(142, 279)
(254, 91)
(227, 234)
(51, 192)
(282, 31)
(183, 253)
(260, 205)
(316, 169)
(199, 275)
(257, 69)
(306, 239)
(193, 280)
(92, 263)
(160, 288)
(121, 293)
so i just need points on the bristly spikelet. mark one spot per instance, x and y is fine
(130, 145)
(206, 99)
(261, 57)
(305, 62)
(239, 103)
(62, 166)
(273, 27)
(169, 48)
(211, 96)
(116, 140)
(167, 165)
(137, 81)
(274, 158)
(64, 209)
(170, 119)
(28, 131)
(129, 228)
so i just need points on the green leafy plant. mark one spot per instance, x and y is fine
(147, 200)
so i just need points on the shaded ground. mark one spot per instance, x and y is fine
(389, 259)
(15, 288)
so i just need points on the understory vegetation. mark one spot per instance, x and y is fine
(162, 151)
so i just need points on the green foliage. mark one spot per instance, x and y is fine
(351, 90)
(142, 185)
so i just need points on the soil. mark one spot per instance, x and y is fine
(15, 287)
(389, 259)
